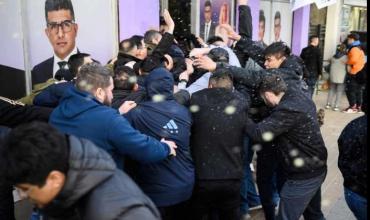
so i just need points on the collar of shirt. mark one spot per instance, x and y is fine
(57, 59)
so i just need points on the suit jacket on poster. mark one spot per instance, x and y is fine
(43, 71)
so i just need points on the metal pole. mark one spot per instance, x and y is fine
(24, 34)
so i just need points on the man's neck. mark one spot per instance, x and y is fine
(73, 51)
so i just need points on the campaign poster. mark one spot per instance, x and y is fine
(264, 24)
(212, 14)
(281, 22)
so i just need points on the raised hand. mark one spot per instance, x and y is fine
(206, 63)
(230, 32)
(242, 2)
(169, 21)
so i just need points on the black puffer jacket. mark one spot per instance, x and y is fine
(217, 134)
(96, 190)
(296, 132)
(13, 113)
(352, 159)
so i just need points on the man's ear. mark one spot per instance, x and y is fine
(47, 32)
(136, 87)
(268, 94)
(100, 94)
(76, 28)
(56, 179)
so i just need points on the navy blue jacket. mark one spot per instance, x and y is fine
(170, 181)
(52, 94)
(82, 115)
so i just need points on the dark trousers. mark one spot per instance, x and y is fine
(248, 192)
(6, 191)
(179, 211)
(311, 83)
(221, 197)
(299, 197)
(354, 91)
(266, 180)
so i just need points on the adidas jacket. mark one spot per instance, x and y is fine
(170, 181)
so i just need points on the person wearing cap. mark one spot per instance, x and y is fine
(355, 73)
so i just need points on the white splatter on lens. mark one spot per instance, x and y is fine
(267, 136)
(158, 98)
(298, 162)
(194, 108)
(230, 110)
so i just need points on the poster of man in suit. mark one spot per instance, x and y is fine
(212, 14)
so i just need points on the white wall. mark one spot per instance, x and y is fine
(11, 52)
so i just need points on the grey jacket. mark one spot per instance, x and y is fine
(338, 69)
(96, 190)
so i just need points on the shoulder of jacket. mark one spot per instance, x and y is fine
(45, 62)
(12, 102)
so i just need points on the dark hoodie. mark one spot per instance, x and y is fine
(95, 189)
(170, 181)
(82, 115)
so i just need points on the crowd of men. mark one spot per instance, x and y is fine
(164, 133)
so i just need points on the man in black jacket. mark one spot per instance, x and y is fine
(217, 149)
(12, 114)
(312, 58)
(352, 163)
(61, 31)
(70, 178)
(302, 154)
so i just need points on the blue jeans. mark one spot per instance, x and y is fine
(299, 197)
(248, 192)
(356, 203)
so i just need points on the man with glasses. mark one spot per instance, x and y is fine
(61, 31)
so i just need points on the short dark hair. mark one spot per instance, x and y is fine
(277, 15)
(137, 40)
(56, 5)
(219, 55)
(277, 48)
(262, 17)
(310, 39)
(123, 76)
(150, 35)
(214, 39)
(208, 4)
(222, 78)
(354, 36)
(273, 83)
(127, 45)
(31, 151)
(76, 61)
(93, 76)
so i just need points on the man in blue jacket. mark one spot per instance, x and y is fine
(83, 112)
(169, 183)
